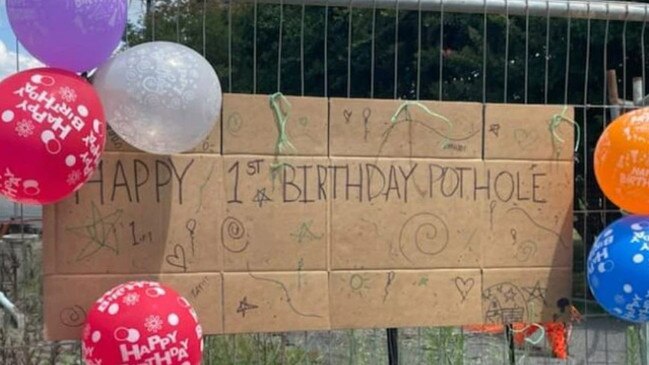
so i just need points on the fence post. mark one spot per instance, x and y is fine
(638, 91)
(393, 346)
(613, 96)
(638, 100)
(511, 351)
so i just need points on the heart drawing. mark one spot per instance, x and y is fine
(464, 286)
(347, 114)
(525, 138)
(177, 259)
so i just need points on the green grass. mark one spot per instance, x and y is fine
(633, 343)
(256, 349)
(444, 346)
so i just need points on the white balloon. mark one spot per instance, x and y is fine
(160, 97)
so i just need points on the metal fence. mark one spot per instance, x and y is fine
(590, 54)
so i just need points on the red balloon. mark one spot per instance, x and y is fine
(142, 323)
(52, 135)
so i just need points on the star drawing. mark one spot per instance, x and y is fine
(304, 234)
(536, 292)
(99, 232)
(510, 295)
(261, 197)
(244, 306)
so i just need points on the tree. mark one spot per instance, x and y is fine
(577, 58)
(461, 52)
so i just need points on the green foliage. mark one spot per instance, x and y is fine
(358, 351)
(461, 54)
(444, 346)
(633, 344)
(256, 349)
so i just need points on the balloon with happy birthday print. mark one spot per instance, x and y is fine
(142, 323)
(621, 161)
(618, 268)
(52, 135)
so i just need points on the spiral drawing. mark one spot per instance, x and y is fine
(233, 235)
(74, 316)
(234, 124)
(423, 234)
(526, 250)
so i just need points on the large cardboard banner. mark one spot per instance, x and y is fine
(381, 214)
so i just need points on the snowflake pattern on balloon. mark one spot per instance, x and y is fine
(25, 128)
(150, 83)
(74, 177)
(131, 299)
(68, 94)
(153, 323)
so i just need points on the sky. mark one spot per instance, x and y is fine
(8, 48)
(8, 41)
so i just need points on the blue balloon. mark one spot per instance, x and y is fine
(618, 269)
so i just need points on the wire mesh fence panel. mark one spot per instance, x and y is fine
(535, 52)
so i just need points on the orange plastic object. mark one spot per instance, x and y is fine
(555, 332)
(622, 161)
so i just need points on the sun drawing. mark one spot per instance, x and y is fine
(358, 284)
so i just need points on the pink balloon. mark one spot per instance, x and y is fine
(52, 135)
(142, 323)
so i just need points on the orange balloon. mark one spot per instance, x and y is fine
(622, 161)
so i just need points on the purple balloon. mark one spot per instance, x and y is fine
(76, 35)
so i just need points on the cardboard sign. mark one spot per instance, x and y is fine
(407, 298)
(377, 128)
(139, 214)
(384, 214)
(70, 296)
(523, 132)
(275, 301)
(275, 209)
(249, 126)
